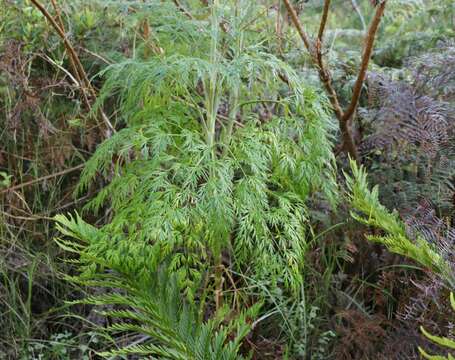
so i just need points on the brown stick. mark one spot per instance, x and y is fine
(182, 9)
(76, 73)
(344, 117)
(45, 215)
(326, 80)
(325, 15)
(324, 74)
(297, 24)
(66, 42)
(44, 178)
(74, 58)
(368, 48)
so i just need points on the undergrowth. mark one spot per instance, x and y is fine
(185, 159)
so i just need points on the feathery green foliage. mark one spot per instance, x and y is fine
(369, 211)
(213, 170)
(211, 198)
(189, 177)
(150, 303)
(442, 341)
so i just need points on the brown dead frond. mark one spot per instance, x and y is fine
(359, 334)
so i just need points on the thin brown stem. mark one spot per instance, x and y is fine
(79, 71)
(182, 9)
(75, 70)
(316, 54)
(47, 177)
(344, 117)
(367, 50)
(325, 15)
(61, 32)
(326, 79)
(298, 25)
(68, 46)
(324, 74)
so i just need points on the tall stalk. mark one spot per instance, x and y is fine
(315, 49)
(212, 91)
(234, 96)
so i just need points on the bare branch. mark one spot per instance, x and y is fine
(325, 15)
(182, 9)
(368, 48)
(326, 79)
(78, 70)
(344, 117)
(298, 24)
(47, 177)
(316, 54)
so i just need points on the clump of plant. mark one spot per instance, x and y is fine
(208, 184)
(422, 237)
(368, 210)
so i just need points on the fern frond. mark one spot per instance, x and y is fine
(371, 212)
(217, 162)
(441, 341)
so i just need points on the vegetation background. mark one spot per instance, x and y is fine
(197, 179)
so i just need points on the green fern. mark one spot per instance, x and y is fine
(442, 341)
(150, 303)
(369, 211)
(200, 179)
(186, 178)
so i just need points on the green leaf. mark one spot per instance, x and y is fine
(445, 342)
(432, 357)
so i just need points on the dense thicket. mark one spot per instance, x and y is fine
(227, 179)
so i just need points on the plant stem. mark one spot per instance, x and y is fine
(344, 117)
(213, 85)
(368, 49)
(234, 98)
(79, 71)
